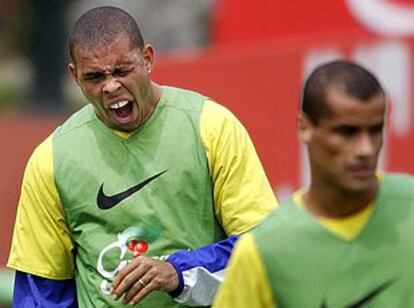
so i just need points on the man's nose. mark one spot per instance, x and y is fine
(366, 145)
(111, 85)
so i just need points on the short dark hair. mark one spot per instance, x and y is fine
(346, 76)
(102, 25)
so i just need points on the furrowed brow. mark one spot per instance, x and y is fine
(91, 74)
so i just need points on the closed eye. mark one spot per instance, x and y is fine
(121, 72)
(94, 77)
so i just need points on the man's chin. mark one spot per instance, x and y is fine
(127, 124)
(126, 128)
(361, 185)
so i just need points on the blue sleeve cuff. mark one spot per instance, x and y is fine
(213, 258)
(180, 287)
(34, 291)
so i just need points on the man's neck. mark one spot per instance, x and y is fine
(151, 101)
(153, 98)
(332, 202)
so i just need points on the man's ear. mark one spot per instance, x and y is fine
(149, 57)
(305, 127)
(73, 72)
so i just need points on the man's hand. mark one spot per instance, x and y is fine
(142, 276)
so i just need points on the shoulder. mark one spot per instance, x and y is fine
(213, 116)
(278, 223)
(398, 184)
(77, 120)
(400, 177)
(41, 160)
(217, 113)
(217, 120)
(183, 99)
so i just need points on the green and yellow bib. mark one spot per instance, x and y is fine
(308, 266)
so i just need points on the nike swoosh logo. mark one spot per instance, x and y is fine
(105, 202)
(371, 295)
(367, 297)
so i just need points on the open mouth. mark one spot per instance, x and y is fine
(122, 111)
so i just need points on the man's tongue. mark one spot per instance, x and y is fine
(123, 112)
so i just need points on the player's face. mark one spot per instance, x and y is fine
(344, 145)
(115, 80)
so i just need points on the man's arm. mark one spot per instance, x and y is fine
(41, 251)
(191, 277)
(34, 291)
(202, 270)
(242, 198)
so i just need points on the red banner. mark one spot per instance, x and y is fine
(240, 21)
(265, 48)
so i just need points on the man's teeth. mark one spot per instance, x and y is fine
(118, 105)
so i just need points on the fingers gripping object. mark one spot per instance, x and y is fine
(131, 239)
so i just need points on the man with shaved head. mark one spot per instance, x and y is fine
(139, 196)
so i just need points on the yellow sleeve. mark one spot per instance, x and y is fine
(245, 283)
(41, 242)
(242, 193)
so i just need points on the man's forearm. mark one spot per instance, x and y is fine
(200, 271)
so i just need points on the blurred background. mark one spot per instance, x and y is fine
(250, 56)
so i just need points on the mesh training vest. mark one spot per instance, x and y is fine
(153, 187)
(310, 267)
